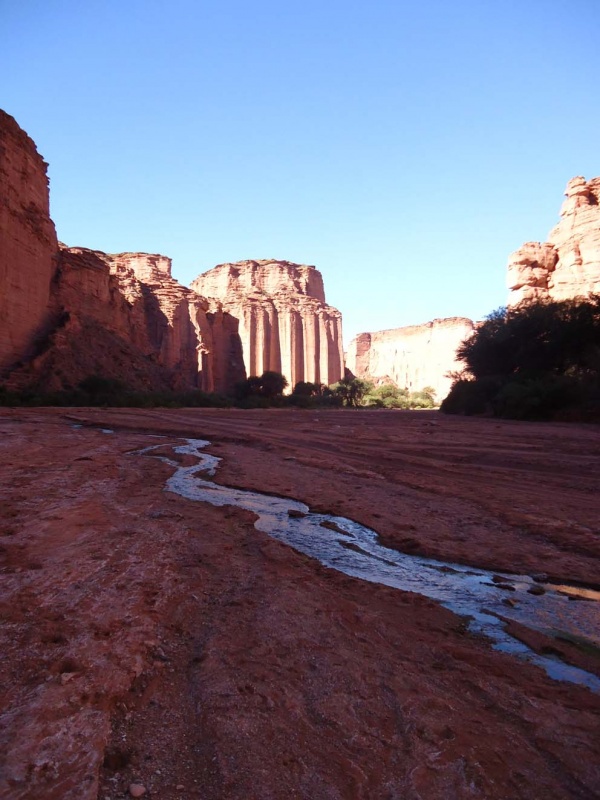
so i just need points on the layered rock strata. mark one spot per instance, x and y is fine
(66, 313)
(285, 324)
(28, 244)
(412, 357)
(124, 316)
(568, 264)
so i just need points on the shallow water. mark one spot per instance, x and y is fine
(354, 550)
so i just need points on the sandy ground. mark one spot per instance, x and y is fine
(150, 640)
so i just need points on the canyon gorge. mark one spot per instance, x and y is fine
(70, 312)
(156, 645)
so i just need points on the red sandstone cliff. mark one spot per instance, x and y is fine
(123, 316)
(66, 313)
(27, 244)
(285, 324)
(568, 264)
(411, 357)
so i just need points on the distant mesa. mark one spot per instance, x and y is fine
(412, 357)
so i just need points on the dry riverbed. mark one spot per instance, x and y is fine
(152, 641)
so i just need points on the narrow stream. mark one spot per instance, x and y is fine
(353, 549)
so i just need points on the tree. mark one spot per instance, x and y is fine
(532, 361)
(351, 390)
(268, 387)
(534, 339)
(272, 384)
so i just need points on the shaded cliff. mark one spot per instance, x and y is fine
(284, 323)
(123, 316)
(412, 357)
(28, 244)
(568, 264)
(66, 313)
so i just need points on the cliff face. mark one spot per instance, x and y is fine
(67, 313)
(191, 336)
(412, 357)
(27, 244)
(285, 324)
(124, 316)
(568, 264)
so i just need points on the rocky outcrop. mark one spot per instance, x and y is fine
(284, 323)
(123, 316)
(412, 357)
(191, 336)
(28, 244)
(568, 264)
(67, 313)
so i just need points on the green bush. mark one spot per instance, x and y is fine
(388, 395)
(96, 390)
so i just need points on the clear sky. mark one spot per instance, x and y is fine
(403, 148)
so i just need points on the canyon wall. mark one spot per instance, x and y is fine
(568, 264)
(285, 324)
(67, 313)
(28, 244)
(123, 316)
(70, 312)
(412, 357)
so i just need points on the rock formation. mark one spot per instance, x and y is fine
(412, 357)
(67, 313)
(568, 264)
(28, 244)
(124, 316)
(285, 324)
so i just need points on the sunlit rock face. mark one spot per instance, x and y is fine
(568, 264)
(284, 323)
(412, 357)
(27, 244)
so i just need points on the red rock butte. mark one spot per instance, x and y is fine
(285, 324)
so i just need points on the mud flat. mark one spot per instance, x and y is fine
(152, 639)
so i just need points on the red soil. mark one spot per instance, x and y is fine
(154, 640)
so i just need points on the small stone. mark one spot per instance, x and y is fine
(292, 512)
(137, 790)
(536, 590)
(539, 577)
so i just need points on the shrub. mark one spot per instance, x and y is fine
(534, 361)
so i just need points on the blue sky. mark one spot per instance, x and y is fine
(404, 149)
